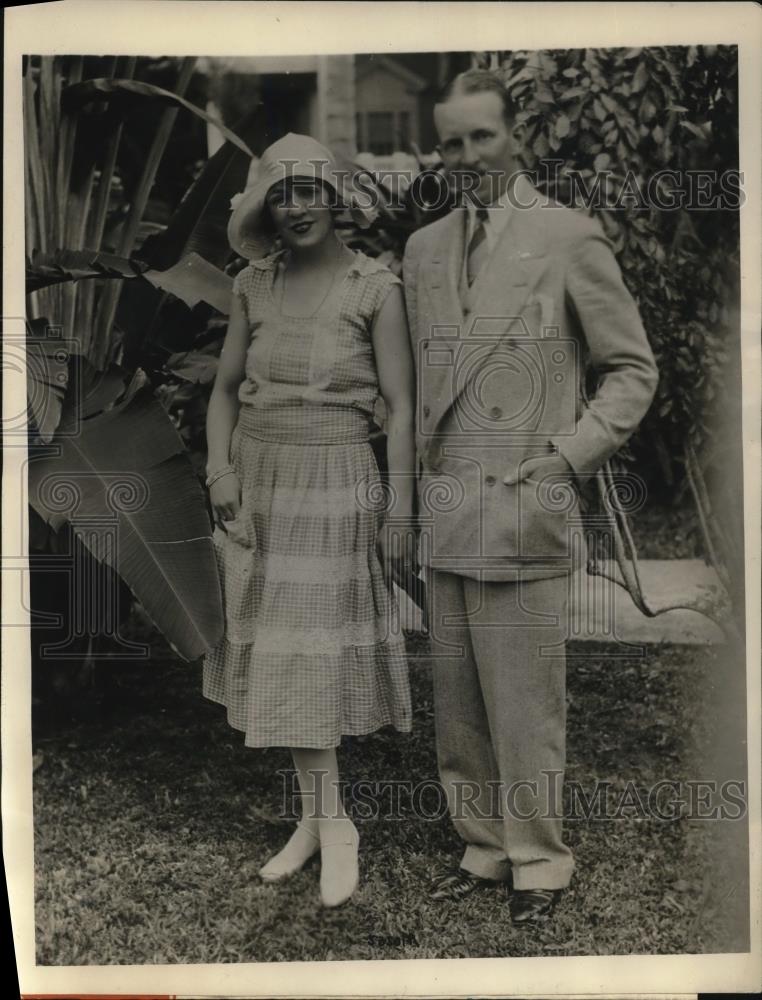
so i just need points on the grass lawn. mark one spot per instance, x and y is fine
(152, 819)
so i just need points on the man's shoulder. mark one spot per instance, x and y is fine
(566, 224)
(428, 234)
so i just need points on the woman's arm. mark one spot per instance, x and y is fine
(394, 363)
(222, 412)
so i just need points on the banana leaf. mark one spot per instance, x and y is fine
(123, 481)
(161, 324)
(100, 389)
(56, 371)
(78, 95)
(200, 223)
(195, 280)
(196, 367)
(44, 269)
(105, 343)
(70, 168)
(112, 439)
(96, 228)
(148, 319)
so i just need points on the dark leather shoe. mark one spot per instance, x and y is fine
(457, 883)
(527, 906)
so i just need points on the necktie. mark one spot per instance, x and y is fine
(477, 247)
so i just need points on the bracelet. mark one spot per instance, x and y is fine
(214, 476)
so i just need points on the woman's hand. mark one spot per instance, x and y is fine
(225, 497)
(397, 552)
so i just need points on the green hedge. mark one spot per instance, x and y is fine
(609, 123)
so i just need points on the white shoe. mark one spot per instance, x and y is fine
(303, 844)
(340, 873)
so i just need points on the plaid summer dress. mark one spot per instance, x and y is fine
(312, 647)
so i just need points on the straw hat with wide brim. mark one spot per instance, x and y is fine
(292, 156)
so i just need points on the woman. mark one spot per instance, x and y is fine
(316, 331)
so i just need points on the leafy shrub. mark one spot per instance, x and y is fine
(623, 117)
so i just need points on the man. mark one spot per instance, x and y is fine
(509, 298)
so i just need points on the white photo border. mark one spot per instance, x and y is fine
(160, 27)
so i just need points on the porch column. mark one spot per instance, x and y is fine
(335, 111)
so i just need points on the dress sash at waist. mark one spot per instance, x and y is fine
(304, 424)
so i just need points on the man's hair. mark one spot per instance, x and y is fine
(479, 81)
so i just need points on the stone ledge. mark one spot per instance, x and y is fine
(604, 612)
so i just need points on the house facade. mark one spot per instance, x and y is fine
(377, 106)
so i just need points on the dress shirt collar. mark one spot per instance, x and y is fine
(496, 221)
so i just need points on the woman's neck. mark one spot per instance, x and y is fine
(324, 255)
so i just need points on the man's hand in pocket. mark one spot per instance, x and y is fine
(540, 467)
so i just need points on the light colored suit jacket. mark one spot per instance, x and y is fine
(501, 383)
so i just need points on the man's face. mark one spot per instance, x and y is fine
(477, 145)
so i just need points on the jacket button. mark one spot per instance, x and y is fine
(490, 480)
(426, 411)
(496, 413)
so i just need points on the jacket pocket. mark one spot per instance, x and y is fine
(547, 513)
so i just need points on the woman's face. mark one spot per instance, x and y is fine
(301, 212)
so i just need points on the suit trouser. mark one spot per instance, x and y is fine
(500, 715)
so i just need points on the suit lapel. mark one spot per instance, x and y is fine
(514, 268)
(443, 319)
(443, 271)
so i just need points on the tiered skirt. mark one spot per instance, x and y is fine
(312, 649)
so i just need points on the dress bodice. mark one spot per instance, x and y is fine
(322, 360)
